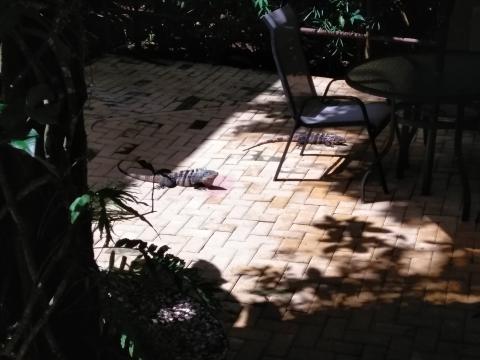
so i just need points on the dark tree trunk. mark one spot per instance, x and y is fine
(48, 296)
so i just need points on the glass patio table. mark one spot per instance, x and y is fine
(416, 79)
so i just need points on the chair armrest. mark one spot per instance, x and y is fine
(330, 84)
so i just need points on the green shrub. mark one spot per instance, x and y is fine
(230, 32)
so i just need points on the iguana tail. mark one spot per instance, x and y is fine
(315, 138)
(161, 178)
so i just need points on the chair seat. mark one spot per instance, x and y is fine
(338, 114)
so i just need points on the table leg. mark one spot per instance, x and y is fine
(405, 138)
(460, 163)
(430, 152)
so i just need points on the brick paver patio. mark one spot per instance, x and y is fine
(307, 270)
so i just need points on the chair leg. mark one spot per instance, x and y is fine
(364, 183)
(460, 163)
(377, 162)
(425, 136)
(275, 178)
(430, 152)
(306, 142)
(391, 136)
(424, 118)
(425, 129)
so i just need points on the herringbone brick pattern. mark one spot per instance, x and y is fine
(307, 271)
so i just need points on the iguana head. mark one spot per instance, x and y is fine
(208, 177)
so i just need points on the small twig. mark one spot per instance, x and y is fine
(123, 263)
(111, 261)
(32, 186)
(22, 228)
(153, 190)
(21, 223)
(49, 336)
(44, 319)
(38, 292)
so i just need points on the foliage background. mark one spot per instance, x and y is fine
(230, 32)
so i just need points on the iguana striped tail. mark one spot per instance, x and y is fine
(165, 178)
(315, 138)
(161, 178)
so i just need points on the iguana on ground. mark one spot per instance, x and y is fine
(315, 138)
(197, 178)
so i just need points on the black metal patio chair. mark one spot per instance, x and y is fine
(310, 110)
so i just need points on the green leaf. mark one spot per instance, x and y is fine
(131, 210)
(356, 16)
(2, 107)
(127, 344)
(341, 21)
(123, 341)
(131, 348)
(28, 144)
(78, 205)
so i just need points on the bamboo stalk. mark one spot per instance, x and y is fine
(362, 36)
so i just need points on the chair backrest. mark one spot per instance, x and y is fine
(289, 57)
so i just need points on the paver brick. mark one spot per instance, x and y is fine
(304, 264)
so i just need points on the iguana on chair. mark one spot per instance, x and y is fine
(197, 178)
(301, 139)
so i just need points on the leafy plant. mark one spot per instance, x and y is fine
(155, 262)
(156, 277)
(112, 204)
(263, 6)
(134, 299)
(336, 15)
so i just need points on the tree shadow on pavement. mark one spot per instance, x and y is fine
(366, 292)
